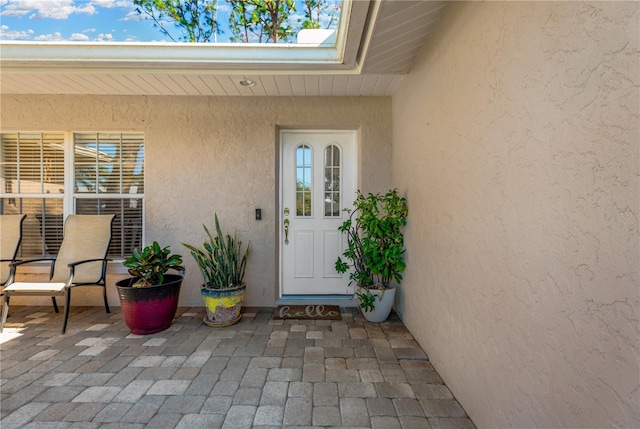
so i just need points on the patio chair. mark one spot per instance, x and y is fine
(10, 238)
(81, 261)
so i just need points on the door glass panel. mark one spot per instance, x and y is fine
(303, 181)
(332, 181)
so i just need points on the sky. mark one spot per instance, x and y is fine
(74, 21)
(83, 21)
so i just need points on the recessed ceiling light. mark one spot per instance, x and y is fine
(247, 82)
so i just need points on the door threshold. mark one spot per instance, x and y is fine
(341, 300)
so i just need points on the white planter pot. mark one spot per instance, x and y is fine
(383, 304)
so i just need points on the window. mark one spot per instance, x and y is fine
(332, 181)
(49, 175)
(303, 181)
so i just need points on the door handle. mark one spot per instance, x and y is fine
(286, 231)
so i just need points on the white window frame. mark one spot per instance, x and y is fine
(354, 34)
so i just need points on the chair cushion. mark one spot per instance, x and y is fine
(34, 287)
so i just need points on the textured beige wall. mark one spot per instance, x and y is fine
(516, 141)
(206, 155)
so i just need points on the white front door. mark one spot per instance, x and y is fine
(317, 181)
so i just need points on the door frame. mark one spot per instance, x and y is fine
(355, 132)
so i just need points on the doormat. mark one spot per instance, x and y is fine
(308, 312)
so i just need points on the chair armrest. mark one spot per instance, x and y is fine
(29, 261)
(13, 267)
(85, 261)
(72, 268)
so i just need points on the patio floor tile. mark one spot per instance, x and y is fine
(259, 373)
(269, 415)
(297, 411)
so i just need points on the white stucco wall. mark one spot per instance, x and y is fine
(516, 142)
(205, 155)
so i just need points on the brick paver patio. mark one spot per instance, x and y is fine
(259, 373)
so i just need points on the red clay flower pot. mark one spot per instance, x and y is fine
(151, 309)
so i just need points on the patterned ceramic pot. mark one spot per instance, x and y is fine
(223, 305)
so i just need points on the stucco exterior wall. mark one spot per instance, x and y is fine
(205, 155)
(516, 142)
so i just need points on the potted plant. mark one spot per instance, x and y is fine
(149, 299)
(375, 250)
(222, 262)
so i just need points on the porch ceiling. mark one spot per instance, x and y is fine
(384, 37)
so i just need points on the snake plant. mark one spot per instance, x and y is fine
(221, 259)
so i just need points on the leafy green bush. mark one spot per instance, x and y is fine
(375, 243)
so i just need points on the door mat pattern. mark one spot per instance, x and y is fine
(308, 312)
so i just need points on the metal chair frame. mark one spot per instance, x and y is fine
(53, 289)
